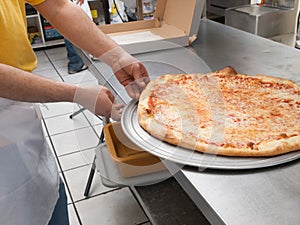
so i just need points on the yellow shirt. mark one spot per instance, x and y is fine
(15, 49)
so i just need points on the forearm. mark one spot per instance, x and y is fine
(24, 86)
(76, 26)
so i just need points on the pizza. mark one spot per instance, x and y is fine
(223, 113)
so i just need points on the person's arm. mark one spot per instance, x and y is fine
(70, 20)
(20, 85)
(23, 86)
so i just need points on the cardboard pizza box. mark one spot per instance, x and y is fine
(175, 24)
(132, 161)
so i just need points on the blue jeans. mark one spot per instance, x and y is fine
(60, 213)
(75, 62)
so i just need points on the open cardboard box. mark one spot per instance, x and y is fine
(175, 24)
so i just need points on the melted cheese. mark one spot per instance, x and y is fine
(242, 111)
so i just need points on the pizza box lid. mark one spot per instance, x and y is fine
(173, 22)
(132, 161)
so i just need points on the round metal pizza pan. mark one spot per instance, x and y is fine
(145, 141)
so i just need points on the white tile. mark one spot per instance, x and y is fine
(42, 57)
(114, 208)
(60, 63)
(43, 64)
(90, 82)
(65, 143)
(62, 69)
(79, 78)
(98, 129)
(73, 141)
(88, 155)
(48, 73)
(62, 124)
(56, 50)
(73, 219)
(59, 108)
(92, 118)
(78, 159)
(77, 179)
(39, 53)
(56, 54)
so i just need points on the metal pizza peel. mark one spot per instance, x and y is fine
(164, 150)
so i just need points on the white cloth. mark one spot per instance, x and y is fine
(29, 179)
(85, 7)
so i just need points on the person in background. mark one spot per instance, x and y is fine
(31, 192)
(76, 64)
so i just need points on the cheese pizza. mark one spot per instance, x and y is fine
(223, 113)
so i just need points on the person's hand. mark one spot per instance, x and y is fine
(130, 72)
(99, 100)
(134, 78)
(116, 111)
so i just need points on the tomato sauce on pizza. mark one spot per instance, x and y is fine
(221, 113)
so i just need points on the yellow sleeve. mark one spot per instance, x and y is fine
(35, 2)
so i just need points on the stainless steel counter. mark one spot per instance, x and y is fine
(220, 45)
(260, 196)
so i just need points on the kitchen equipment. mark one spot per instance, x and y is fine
(267, 20)
(218, 7)
(111, 176)
(124, 169)
(188, 157)
(132, 160)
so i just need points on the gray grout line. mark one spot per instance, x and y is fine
(141, 204)
(54, 150)
(76, 167)
(63, 132)
(58, 161)
(77, 129)
(53, 66)
(62, 173)
(144, 223)
(63, 114)
(99, 194)
(98, 135)
(77, 151)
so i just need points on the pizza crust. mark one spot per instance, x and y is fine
(264, 150)
(276, 80)
(174, 137)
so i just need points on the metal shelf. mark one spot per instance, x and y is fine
(35, 20)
